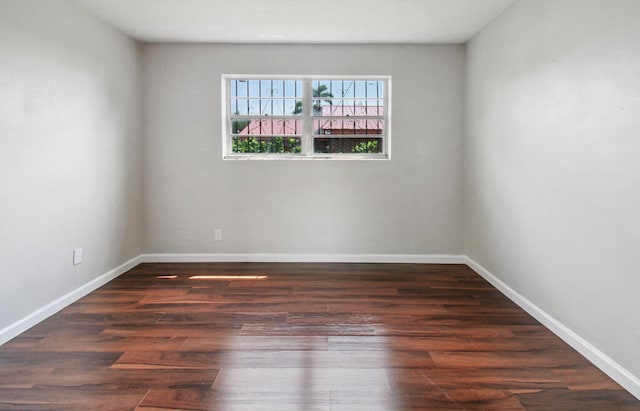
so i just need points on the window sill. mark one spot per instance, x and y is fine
(365, 157)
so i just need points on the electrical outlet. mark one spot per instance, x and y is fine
(77, 256)
(218, 234)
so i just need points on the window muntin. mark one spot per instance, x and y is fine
(306, 117)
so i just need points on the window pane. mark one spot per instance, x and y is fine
(375, 89)
(293, 88)
(292, 107)
(266, 88)
(266, 126)
(348, 127)
(239, 126)
(266, 107)
(360, 88)
(266, 116)
(254, 88)
(348, 108)
(376, 103)
(322, 88)
(240, 87)
(346, 89)
(350, 145)
(260, 144)
(239, 106)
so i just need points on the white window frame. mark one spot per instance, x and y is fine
(306, 118)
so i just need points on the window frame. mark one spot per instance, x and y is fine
(306, 118)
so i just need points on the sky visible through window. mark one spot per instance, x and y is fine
(266, 97)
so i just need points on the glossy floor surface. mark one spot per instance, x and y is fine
(298, 337)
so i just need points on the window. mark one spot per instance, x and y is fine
(306, 117)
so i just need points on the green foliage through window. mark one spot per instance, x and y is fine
(274, 145)
(366, 147)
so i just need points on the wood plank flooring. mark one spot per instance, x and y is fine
(306, 337)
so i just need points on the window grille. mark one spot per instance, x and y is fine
(306, 117)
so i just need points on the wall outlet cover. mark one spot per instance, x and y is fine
(77, 256)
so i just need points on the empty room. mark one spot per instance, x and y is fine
(339, 205)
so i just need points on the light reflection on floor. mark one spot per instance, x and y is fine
(308, 373)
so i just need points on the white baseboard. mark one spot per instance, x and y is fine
(614, 370)
(20, 326)
(305, 258)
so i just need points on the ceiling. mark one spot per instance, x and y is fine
(299, 21)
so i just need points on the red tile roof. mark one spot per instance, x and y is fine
(324, 126)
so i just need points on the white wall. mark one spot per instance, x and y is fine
(70, 152)
(411, 204)
(552, 163)
(552, 181)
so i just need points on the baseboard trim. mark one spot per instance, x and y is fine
(304, 258)
(23, 324)
(614, 370)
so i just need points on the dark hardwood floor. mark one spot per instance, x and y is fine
(307, 337)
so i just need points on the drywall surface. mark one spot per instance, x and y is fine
(70, 152)
(552, 176)
(411, 204)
